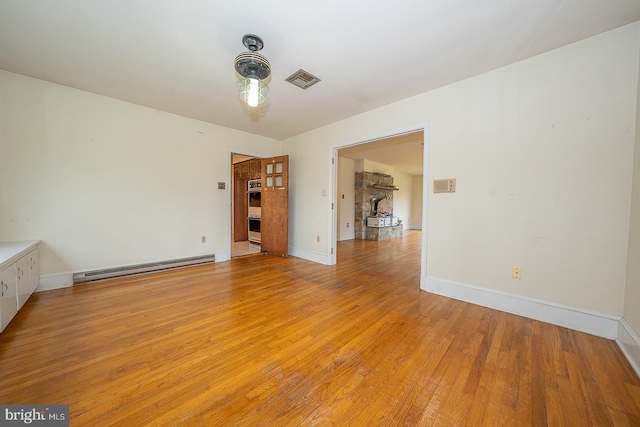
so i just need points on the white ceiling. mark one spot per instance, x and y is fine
(177, 56)
(404, 153)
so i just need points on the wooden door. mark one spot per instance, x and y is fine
(275, 205)
(240, 210)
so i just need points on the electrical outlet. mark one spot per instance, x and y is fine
(516, 272)
(347, 225)
(204, 239)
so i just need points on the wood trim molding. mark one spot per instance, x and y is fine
(222, 256)
(320, 258)
(629, 343)
(347, 236)
(591, 322)
(55, 281)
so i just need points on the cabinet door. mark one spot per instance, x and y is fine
(258, 168)
(244, 169)
(34, 271)
(8, 301)
(253, 169)
(23, 288)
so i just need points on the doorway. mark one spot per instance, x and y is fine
(259, 205)
(245, 218)
(393, 148)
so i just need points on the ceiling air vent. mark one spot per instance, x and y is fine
(302, 79)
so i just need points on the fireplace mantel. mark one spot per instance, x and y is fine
(384, 187)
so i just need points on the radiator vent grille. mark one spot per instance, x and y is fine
(111, 273)
(302, 79)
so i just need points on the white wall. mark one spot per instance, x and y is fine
(542, 152)
(416, 206)
(632, 290)
(346, 198)
(629, 328)
(402, 198)
(106, 183)
(374, 167)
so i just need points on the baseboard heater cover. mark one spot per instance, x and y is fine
(111, 273)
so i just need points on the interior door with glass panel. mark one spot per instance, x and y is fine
(275, 206)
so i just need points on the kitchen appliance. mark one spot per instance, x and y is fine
(255, 185)
(254, 229)
(255, 193)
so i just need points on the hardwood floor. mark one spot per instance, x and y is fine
(264, 340)
(243, 248)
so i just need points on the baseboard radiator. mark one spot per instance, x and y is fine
(130, 270)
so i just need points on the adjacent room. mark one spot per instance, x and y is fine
(345, 213)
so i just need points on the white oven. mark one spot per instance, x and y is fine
(254, 193)
(254, 229)
(255, 185)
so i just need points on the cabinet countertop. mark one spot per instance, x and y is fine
(10, 252)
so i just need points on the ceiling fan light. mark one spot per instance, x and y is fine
(252, 68)
(252, 91)
(252, 64)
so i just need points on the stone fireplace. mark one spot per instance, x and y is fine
(374, 218)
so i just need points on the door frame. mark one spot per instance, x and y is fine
(229, 179)
(333, 185)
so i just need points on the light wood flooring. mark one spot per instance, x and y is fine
(261, 340)
(243, 248)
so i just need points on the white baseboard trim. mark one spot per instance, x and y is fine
(349, 236)
(629, 343)
(591, 322)
(49, 282)
(309, 255)
(222, 256)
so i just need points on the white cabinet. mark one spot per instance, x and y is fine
(19, 277)
(22, 281)
(8, 302)
(34, 271)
